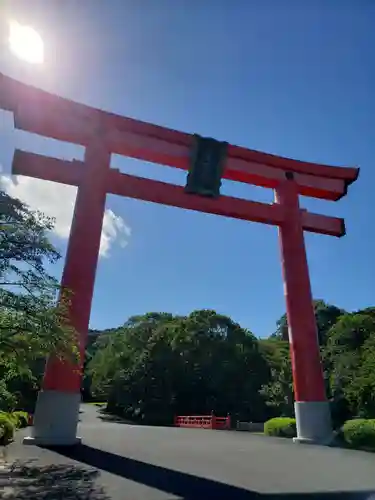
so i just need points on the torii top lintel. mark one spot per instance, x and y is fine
(43, 113)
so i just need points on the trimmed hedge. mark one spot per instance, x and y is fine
(9, 422)
(13, 418)
(359, 433)
(7, 428)
(281, 427)
(21, 419)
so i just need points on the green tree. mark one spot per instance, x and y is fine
(32, 323)
(361, 393)
(278, 391)
(350, 357)
(326, 316)
(159, 365)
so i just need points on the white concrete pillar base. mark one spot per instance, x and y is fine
(55, 419)
(39, 441)
(314, 424)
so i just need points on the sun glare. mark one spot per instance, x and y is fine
(26, 43)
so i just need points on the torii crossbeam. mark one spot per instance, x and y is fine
(103, 133)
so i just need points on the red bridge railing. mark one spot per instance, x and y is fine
(203, 422)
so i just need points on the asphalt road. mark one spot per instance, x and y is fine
(125, 462)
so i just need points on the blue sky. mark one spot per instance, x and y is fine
(290, 78)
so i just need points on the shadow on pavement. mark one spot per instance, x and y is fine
(30, 481)
(186, 486)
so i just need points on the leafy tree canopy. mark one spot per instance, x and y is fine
(32, 323)
(158, 365)
(326, 316)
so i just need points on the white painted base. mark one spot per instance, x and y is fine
(314, 424)
(55, 419)
(39, 441)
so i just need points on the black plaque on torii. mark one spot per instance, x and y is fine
(207, 164)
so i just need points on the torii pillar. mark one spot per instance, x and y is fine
(57, 408)
(311, 407)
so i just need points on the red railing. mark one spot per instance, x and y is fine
(203, 422)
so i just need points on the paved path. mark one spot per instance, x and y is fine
(125, 462)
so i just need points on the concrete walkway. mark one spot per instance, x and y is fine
(124, 462)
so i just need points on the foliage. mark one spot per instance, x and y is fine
(359, 433)
(7, 398)
(33, 324)
(9, 422)
(6, 429)
(10, 416)
(326, 316)
(278, 392)
(281, 427)
(340, 410)
(159, 365)
(21, 419)
(350, 360)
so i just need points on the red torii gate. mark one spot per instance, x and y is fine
(103, 133)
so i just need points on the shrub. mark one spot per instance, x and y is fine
(10, 416)
(21, 419)
(359, 433)
(4, 414)
(281, 427)
(6, 429)
(340, 412)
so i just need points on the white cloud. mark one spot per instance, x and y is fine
(114, 229)
(57, 201)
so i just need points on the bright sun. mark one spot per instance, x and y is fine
(26, 43)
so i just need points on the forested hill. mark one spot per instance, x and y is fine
(158, 365)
